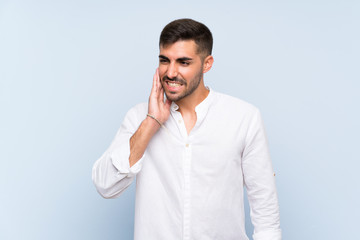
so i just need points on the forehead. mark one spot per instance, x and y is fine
(183, 48)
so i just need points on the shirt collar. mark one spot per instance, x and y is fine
(174, 106)
(201, 107)
(205, 104)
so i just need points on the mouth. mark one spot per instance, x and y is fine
(173, 85)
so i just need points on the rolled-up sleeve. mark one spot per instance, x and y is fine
(112, 173)
(259, 179)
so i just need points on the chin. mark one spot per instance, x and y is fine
(174, 97)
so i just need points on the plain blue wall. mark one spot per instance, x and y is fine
(69, 71)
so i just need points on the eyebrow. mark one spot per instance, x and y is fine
(178, 60)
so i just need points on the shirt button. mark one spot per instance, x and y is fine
(179, 121)
(187, 145)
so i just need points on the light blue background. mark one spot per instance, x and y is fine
(69, 71)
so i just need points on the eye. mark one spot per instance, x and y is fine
(185, 63)
(163, 61)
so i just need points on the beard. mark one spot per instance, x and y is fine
(189, 87)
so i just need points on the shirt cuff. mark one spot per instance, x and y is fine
(136, 167)
(120, 159)
(274, 234)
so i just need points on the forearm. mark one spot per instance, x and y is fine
(259, 179)
(112, 173)
(141, 138)
(109, 181)
(116, 169)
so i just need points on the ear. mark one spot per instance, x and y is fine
(208, 62)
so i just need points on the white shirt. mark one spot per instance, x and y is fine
(190, 187)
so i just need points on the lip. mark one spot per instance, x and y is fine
(173, 88)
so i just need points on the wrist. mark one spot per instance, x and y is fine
(151, 124)
(153, 117)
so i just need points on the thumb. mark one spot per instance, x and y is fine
(168, 104)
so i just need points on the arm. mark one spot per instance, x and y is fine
(260, 183)
(117, 167)
(157, 108)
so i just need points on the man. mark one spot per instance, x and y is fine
(192, 152)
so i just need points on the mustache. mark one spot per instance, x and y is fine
(175, 79)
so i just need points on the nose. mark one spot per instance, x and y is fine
(172, 71)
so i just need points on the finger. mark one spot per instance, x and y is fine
(154, 83)
(154, 88)
(161, 95)
(167, 104)
(159, 86)
(158, 79)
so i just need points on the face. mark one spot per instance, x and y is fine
(180, 69)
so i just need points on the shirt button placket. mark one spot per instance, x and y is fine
(187, 168)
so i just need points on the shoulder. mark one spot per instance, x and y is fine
(234, 105)
(137, 113)
(236, 112)
(139, 108)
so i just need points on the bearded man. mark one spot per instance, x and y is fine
(192, 152)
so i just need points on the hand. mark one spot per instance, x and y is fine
(158, 108)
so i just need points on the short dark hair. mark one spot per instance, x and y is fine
(187, 29)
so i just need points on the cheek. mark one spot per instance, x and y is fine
(189, 72)
(162, 71)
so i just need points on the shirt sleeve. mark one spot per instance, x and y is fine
(259, 181)
(112, 173)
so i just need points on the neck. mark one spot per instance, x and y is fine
(188, 104)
